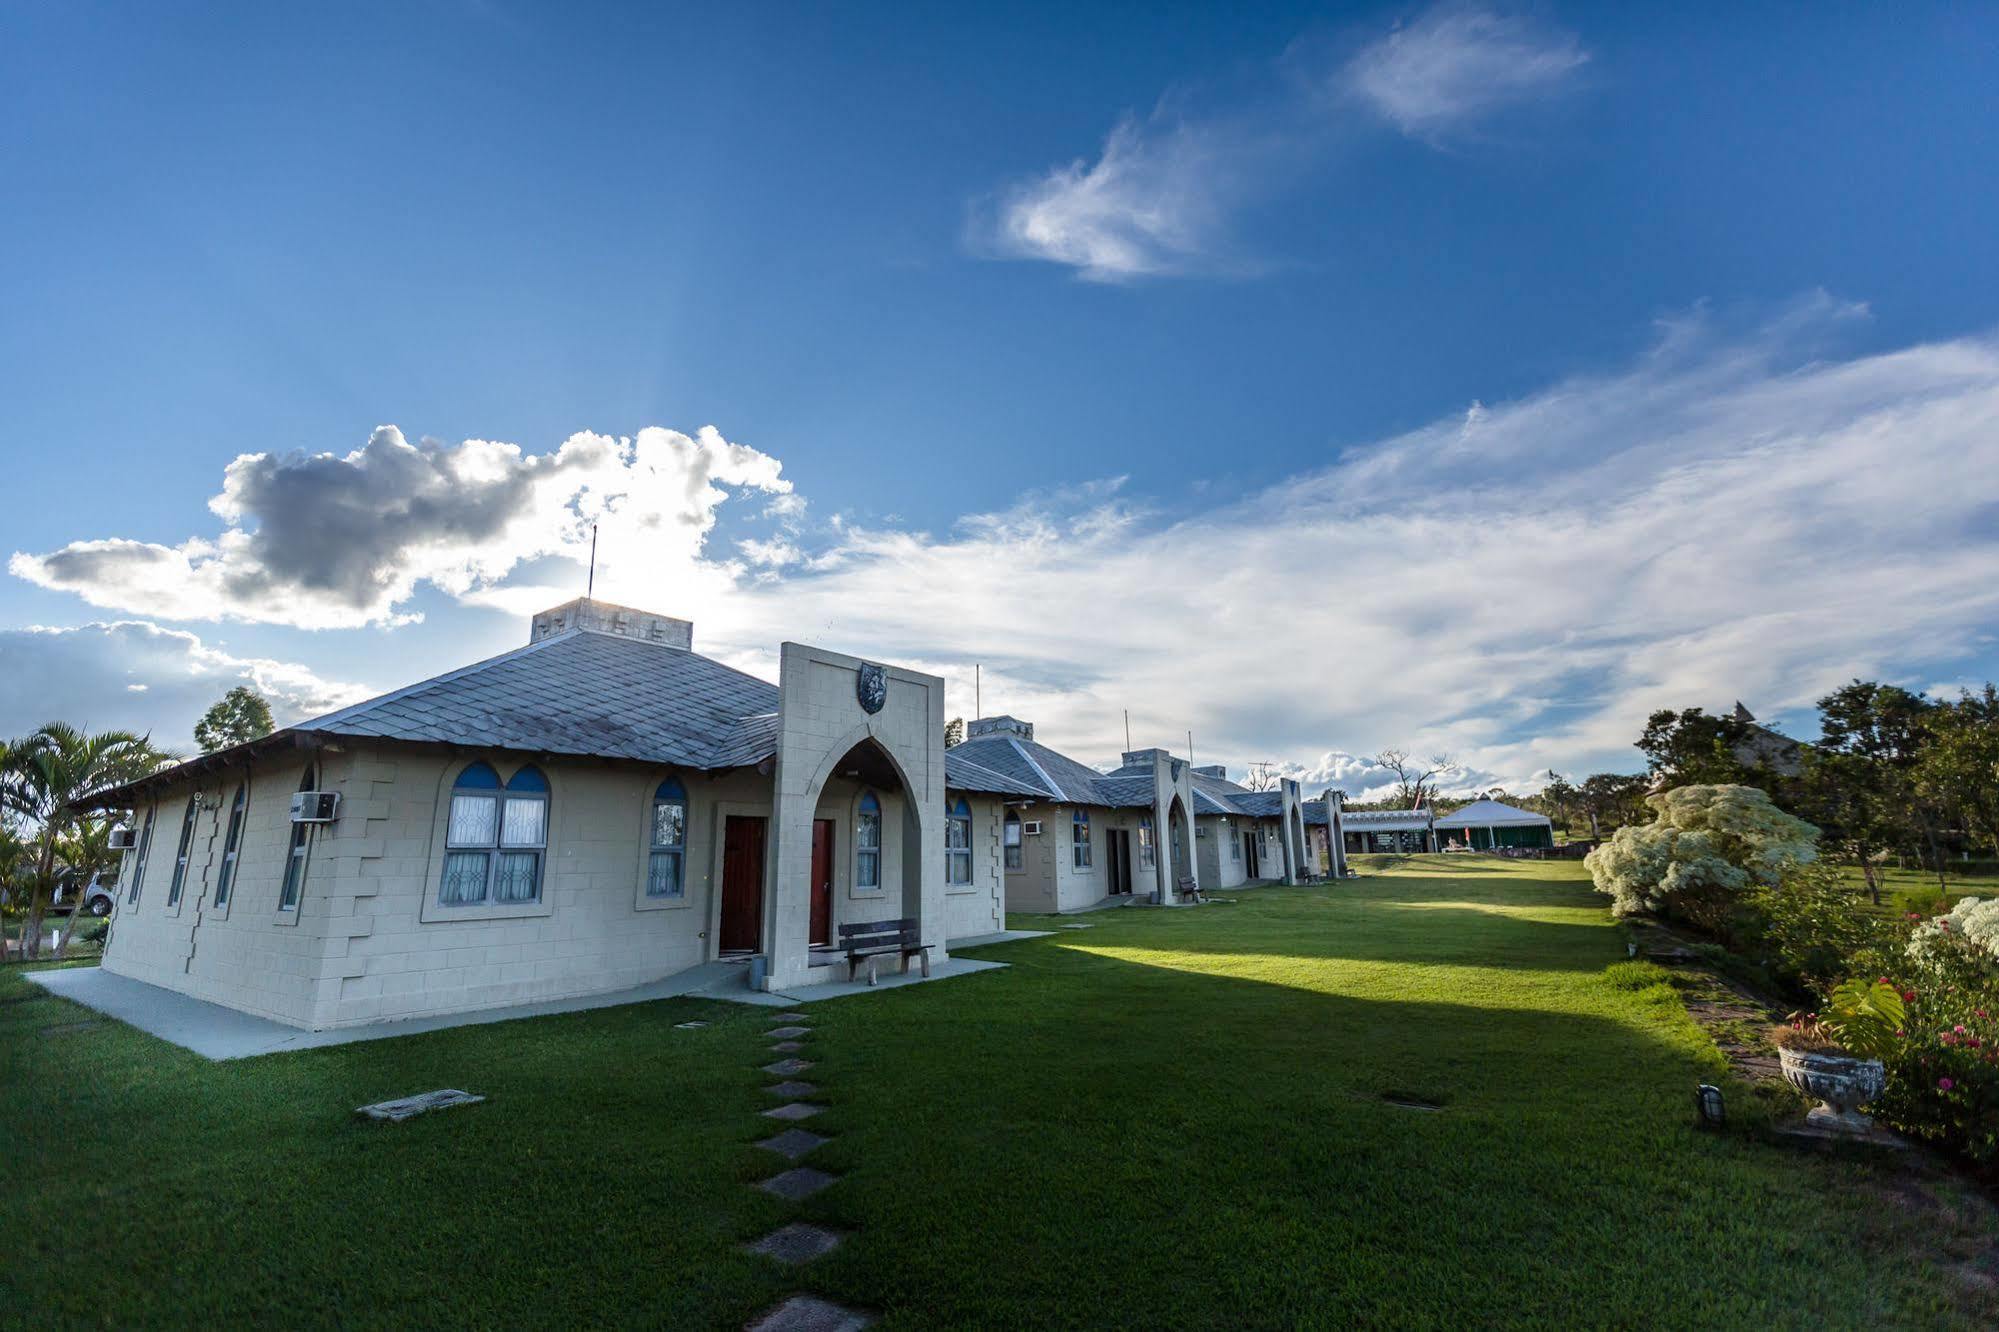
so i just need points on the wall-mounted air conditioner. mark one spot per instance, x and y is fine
(123, 839)
(1031, 827)
(315, 806)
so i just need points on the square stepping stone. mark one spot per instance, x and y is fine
(787, 1033)
(809, 1313)
(796, 1110)
(689, 1026)
(791, 1090)
(787, 1017)
(1077, 925)
(787, 1047)
(408, 1107)
(799, 1242)
(797, 1183)
(793, 1143)
(784, 1068)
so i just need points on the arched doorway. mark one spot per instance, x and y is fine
(1179, 833)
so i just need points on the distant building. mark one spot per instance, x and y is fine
(1761, 747)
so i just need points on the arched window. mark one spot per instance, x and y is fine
(179, 879)
(958, 844)
(495, 838)
(139, 861)
(1079, 846)
(666, 870)
(1010, 839)
(231, 844)
(868, 843)
(1146, 855)
(295, 856)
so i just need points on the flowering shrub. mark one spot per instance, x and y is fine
(1968, 934)
(1704, 848)
(1943, 1076)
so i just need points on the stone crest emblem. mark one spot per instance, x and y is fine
(871, 687)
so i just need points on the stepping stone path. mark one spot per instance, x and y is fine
(689, 1026)
(798, 1242)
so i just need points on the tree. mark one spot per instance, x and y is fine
(1414, 781)
(1706, 846)
(1614, 798)
(1260, 776)
(45, 775)
(1958, 769)
(238, 716)
(1691, 748)
(1871, 741)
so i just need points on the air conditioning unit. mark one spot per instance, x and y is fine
(315, 806)
(123, 839)
(1032, 827)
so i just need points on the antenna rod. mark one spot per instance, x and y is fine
(978, 690)
(1127, 730)
(1190, 749)
(590, 587)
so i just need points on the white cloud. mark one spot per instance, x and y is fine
(1457, 63)
(326, 541)
(132, 675)
(1153, 202)
(1160, 197)
(1736, 515)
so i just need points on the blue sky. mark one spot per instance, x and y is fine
(1149, 358)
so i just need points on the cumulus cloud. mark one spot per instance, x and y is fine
(1162, 194)
(1457, 63)
(136, 676)
(335, 541)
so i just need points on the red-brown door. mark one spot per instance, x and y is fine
(742, 884)
(822, 881)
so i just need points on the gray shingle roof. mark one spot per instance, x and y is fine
(582, 693)
(1041, 772)
(963, 774)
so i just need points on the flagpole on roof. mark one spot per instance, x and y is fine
(590, 587)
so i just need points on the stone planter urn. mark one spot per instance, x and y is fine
(1840, 1083)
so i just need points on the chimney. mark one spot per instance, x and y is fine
(1142, 758)
(1220, 770)
(602, 617)
(1008, 726)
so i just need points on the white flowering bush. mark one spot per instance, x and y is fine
(1704, 848)
(1968, 931)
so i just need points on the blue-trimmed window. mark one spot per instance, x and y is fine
(495, 839)
(295, 855)
(139, 861)
(1079, 844)
(1147, 856)
(868, 844)
(666, 870)
(232, 844)
(958, 844)
(183, 851)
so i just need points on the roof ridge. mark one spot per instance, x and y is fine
(1055, 790)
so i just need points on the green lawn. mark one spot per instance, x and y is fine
(1173, 1118)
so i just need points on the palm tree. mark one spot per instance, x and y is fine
(83, 854)
(45, 774)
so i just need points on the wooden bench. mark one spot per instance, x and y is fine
(872, 941)
(1189, 891)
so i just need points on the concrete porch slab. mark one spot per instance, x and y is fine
(215, 1032)
(1002, 936)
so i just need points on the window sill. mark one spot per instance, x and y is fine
(436, 913)
(645, 903)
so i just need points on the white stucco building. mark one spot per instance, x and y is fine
(596, 810)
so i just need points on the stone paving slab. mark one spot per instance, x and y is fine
(799, 1242)
(809, 1313)
(797, 1183)
(689, 1026)
(788, 1033)
(793, 1143)
(795, 1110)
(792, 1090)
(408, 1107)
(787, 1017)
(784, 1068)
(787, 1047)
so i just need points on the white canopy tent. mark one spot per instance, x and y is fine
(1485, 824)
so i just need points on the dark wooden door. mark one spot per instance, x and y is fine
(822, 881)
(1249, 866)
(742, 884)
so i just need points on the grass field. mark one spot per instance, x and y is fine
(1177, 1118)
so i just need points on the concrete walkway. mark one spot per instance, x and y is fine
(215, 1032)
(1002, 936)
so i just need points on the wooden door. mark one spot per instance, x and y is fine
(742, 884)
(822, 882)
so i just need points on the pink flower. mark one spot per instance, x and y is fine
(1908, 996)
(1959, 1029)
(1882, 981)
(1945, 1084)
